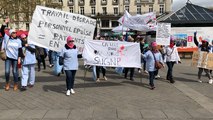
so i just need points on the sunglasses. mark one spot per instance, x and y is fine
(71, 41)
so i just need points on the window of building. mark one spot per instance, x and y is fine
(71, 9)
(161, 8)
(138, 1)
(60, 0)
(115, 1)
(81, 1)
(104, 10)
(138, 9)
(104, 23)
(116, 10)
(115, 23)
(160, 1)
(103, 0)
(126, 1)
(93, 10)
(82, 10)
(150, 8)
(71, 1)
(127, 8)
(92, 1)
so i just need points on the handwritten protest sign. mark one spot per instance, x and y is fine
(50, 28)
(163, 33)
(202, 60)
(112, 53)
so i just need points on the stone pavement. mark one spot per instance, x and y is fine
(115, 99)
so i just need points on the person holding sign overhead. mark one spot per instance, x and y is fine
(205, 48)
(12, 47)
(69, 59)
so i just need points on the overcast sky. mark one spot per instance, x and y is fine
(180, 3)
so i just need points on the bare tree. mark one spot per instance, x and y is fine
(21, 11)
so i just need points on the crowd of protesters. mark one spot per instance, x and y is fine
(18, 51)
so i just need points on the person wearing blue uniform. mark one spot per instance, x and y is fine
(12, 45)
(28, 64)
(150, 57)
(69, 59)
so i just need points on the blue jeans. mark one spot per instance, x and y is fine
(70, 78)
(169, 75)
(152, 75)
(14, 64)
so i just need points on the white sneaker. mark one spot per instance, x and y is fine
(145, 71)
(98, 80)
(139, 71)
(105, 78)
(68, 92)
(157, 76)
(200, 81)
(210, 81)
(72, 91)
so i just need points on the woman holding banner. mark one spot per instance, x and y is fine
(69, 58)
(204, 47)
(28, 64)
(151, 57)
(126, 70)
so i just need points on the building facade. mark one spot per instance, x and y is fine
(107, 12)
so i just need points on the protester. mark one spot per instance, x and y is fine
(58, 69)
(205, 48)
(100, 68)
(126, 70)
(28, 64)
(103, 69)
(50, 58)
(150, 57)
(12, 45)
(69, 58)
(41, 54)
(144, 47)
(171, 57)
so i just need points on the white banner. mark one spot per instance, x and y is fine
(145, 22)
(112, 53)
(50, 28)
(163, 33)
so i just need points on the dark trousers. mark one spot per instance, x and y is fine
(144, 65)
(14, 64)
(207, 71)
(169, 75)
(40, 59)
(126, 70)
(152, 75)
(98, 68)
(50, 57)
(70, 78)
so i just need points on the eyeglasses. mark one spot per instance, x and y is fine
(71, 41)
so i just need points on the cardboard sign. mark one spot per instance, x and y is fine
(163, 33)
(202, 60)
